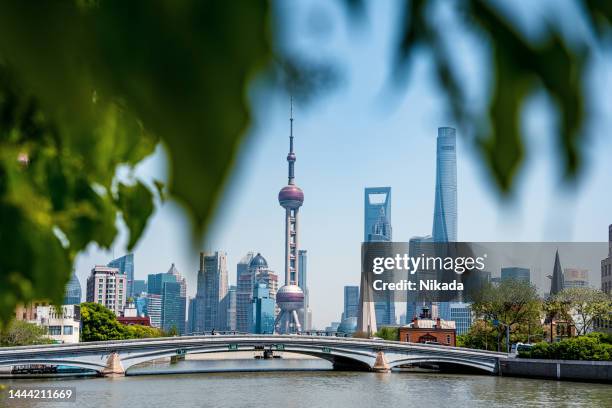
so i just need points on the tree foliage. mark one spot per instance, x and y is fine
(512, 303)
(89, 86)
(388, 333)
(593, 346)
(100, 323)
(583, 306)
(482, 335)
(20, 333)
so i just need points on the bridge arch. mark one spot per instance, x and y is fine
(341, 359)
(483, 366)
(63, 362)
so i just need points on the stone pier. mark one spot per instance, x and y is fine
(381, 365)
(113, 368)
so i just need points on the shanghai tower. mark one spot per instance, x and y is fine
(290, 298)
(445, 206)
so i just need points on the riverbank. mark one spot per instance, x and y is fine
(573, 370)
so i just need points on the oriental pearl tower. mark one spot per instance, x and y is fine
(290, 298)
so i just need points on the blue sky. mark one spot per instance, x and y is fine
(361, 134)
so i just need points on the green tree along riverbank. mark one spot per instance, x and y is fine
(593, 346)
(100, 323)
(514, 307)
(20, 333)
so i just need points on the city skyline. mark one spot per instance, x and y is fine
(352, 139)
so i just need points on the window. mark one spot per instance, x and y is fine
(55, 330)
(448, 339)
(67, 329)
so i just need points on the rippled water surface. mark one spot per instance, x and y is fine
(310, 383)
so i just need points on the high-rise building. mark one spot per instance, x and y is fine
(179, 278)
(606, 266)
(243, 265)
(230, 303)
(445, 206)
(263, 310)
(212, 289)
(191, 316)
(445, 202)
(575, 278)
(515, 273)
(461, 314)
(257, 273)
(154, 309)
(305, 313)
(290, 298)
(138, 287)
(351, 302)
(244, 293)
(125, 264)
(156, 282)
(140, 301)
(172, 304)
(377, 214)
(556, 284)
(377, 228)
(107, 286)
(173, 308)
(73, 294)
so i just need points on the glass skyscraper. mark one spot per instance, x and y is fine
(351, 302)
(377, 228)
(445, 202)
(153, 304)
(445, 205)
(172, 304)
(377, 214)
(173, 307)
(263, 310)
(125, 264)
(461, 314)
(303, 284)
(230, 303)
(211, 290)
(138, 287)
(155, 282)
(244, 293)
(73, 291)
(516, 273)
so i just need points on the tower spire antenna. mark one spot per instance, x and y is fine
(291, 156)
(290, 297)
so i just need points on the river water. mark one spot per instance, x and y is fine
(309, 383)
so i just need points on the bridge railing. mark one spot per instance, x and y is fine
(238, 333)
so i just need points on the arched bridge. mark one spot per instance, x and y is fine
(115, 357)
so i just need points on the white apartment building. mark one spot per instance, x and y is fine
(107, 286)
